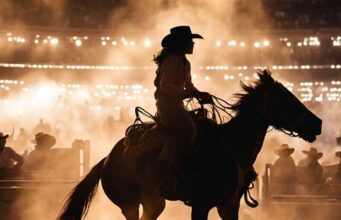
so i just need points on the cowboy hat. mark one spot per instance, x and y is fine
(44, 139)
(283, 150)
(313, 152)
(179, 34)
(3, 136)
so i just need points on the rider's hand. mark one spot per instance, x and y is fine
(205, 98)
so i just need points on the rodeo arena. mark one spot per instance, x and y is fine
(170, 110)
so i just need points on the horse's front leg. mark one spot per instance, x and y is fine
(200, 211)
(229, 211)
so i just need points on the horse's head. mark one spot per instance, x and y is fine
(280, 108)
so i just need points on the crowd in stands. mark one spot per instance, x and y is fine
(303, 14)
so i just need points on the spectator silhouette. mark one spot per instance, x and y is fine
(42, 127)
(10, 161)
(22, 141)
(310, 170)
(38, 159)
(284, 168)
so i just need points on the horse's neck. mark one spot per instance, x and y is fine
(247, 132)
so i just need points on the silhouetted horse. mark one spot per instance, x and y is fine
(215, 174)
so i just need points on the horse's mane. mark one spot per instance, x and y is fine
(251, 90)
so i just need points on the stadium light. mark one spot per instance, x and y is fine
(232, 43)
(54, 41)
(78, 42)
(147, 42)
(266, 43)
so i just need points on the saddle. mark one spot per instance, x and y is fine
(152, 137)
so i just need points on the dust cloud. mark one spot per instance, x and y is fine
(81, 117)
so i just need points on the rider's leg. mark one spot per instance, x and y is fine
(179, 125)
(182, 130)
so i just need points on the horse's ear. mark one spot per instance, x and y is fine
(265, 76)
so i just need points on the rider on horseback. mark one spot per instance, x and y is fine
(173, 84)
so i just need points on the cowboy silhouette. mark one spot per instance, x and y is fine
(10, 161)
(38, 159)
(310, 169)
(284, 168)
(173, 84)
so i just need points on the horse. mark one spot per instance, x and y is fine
(216, 174)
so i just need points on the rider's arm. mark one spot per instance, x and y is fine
(190, 89)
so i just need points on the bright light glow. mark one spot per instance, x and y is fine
(104, 43)
(266, 43)
(46, 92)
(147, 42)
(256, 44)
(218, 43)
(78, 42)
(114, 43)
(232, 43)
(54, 41)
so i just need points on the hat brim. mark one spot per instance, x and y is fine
(170, 38)
(287, 151)
(314, 155)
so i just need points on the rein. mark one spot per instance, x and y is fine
(292, 123)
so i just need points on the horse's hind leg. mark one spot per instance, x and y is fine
(200, 212)
(228, 212)
(153, 205)
(131, 212)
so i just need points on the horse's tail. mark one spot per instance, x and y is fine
(77, 205)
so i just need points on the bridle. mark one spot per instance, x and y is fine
(292, 123)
